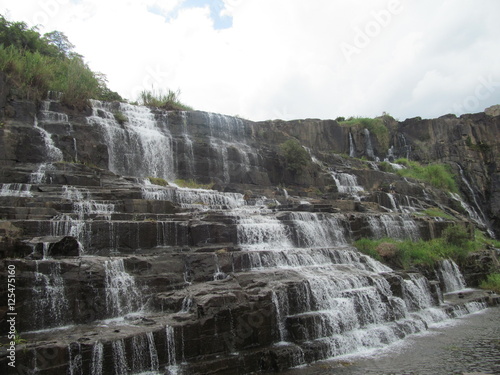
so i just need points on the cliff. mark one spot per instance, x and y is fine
(113, 259)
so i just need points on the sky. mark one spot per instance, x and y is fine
(288, 59)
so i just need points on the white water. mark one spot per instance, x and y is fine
(451, 277)
(52, 152)
(201, 199)
(50, 305)
(347, 184)
(399, 227)
(97, 359)
(122, 294)
(16, 190)
(139, 147)
(119, 357)
(172, 367)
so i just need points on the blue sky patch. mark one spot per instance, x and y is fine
(216, 8)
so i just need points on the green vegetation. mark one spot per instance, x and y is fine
(481, 147)
(296, 156)
(436, 212)
(376, 127)
(386, 167)
(120, 117)
(37, 64)
(492, 282)
(438, 175)
(454, 244)
(169, 101)
(158, 181)
(191, 184)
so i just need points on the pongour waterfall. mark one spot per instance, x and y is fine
(119, 275)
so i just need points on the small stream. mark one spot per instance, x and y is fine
(467, 345)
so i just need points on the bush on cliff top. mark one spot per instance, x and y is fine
(36, 64)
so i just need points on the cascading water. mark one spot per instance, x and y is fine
(53, 153)
(16, 190)
(347, 184)
(451, 277)
(122, 294)
(399, 227)
(50, 305)
(478, 218)
(139, 147)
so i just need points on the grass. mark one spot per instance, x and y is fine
(436, 212)
(492, 282)
(438, 175)
(168, 101)
(191, 184)
(454, 244)
(158, 181)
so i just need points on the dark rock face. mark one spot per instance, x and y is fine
(211, 281)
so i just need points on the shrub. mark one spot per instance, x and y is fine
(120, 117)
(158, 181)
(386, 167)
(492, 282)
(296, 157)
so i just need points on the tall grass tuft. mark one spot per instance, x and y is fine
(169, 101)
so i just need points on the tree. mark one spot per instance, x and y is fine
(61, 41)
(295, 155)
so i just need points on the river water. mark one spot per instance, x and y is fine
(467, 345)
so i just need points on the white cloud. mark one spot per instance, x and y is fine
(284, 58)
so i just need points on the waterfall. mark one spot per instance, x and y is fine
(450, 276)
(218, 274)
(352, 147)
(122, 294)
(316, 230)
(172, 367)
(480, 219)
(40, 176)
(75, 359)
(368, 145)
(399, 227)
(260, 232)
(280, 302)
(347, 184)
(201, 199)
(16, 190)
(84, 206)
(119, 357)
(50, 305)
(53, 153)
(140, 147)
(97, 359)
(46, 115)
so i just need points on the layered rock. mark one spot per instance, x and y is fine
(257, 274)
